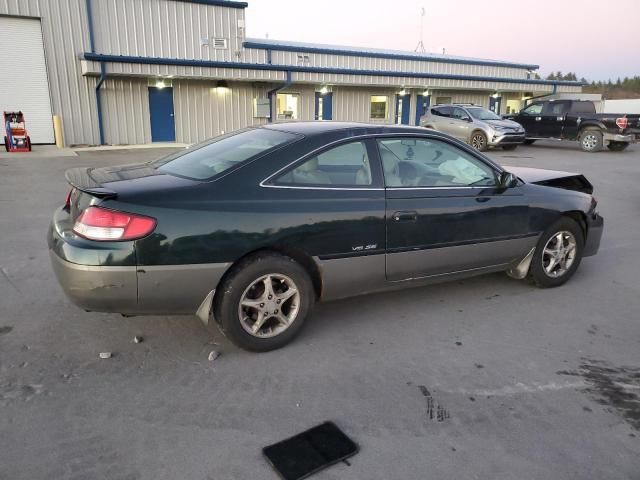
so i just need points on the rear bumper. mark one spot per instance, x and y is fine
(616, 137)
(97, 288)
(104, 277)
(595, 227)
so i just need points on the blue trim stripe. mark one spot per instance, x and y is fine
(394, 56)
(217, 3)
(98, 57)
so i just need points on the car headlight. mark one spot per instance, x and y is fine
(499, 128)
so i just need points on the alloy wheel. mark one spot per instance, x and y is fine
(559, 254)
(478, 141)
(269, 305)
(590, 141)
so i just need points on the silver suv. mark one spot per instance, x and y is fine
(478, 126)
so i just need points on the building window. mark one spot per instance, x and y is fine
(379, 106)
(288, 105)
(443, 100)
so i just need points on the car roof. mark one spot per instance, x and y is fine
(323, 126)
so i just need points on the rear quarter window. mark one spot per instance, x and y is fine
(213, 157)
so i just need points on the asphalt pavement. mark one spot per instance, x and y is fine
(488, 378)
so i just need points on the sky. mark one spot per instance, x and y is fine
(595, 39)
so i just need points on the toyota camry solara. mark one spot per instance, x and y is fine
(252, 228)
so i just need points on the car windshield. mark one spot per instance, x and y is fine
(483, 114)
(208, 159)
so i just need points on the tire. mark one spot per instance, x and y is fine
(529, 142)
(617, 146)
(590, 140)
(540, 272)
(509, 147)
(246, 283)
(29, 143)
(6, 144)
(479, 141)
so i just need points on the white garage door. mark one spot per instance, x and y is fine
(23, 77)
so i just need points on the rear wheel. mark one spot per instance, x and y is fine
(264, 302)
(6, 144)
(529, 141)
(558, 254)
(29, 143)
(509, 147)
(479, 141)
(591, 140)
(617, 146)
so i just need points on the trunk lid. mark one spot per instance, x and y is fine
(94, 185)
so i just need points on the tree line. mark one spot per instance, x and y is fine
(627, 87)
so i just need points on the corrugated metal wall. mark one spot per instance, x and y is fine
(388, 64)
(203, 112)
(477, 98)
(174, 29)
(354, 104)
(167, 29)
(125, 111)
(64, 36)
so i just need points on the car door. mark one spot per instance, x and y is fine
(530, 119)
(333, 202)
(461, 124)
(445, 212)
(552, 121)
(442, 119)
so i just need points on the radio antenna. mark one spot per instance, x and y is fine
(420, 47)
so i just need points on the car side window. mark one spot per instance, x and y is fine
(346, 165)
(556, 108)
(423, 162)
(533, 109)
(459, 113)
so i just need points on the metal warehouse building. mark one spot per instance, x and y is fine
(140, 71)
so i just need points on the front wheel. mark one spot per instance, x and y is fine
(509, 147)
(479, 141)
(529, 141)
(558, 254)
(617, 146)
(263, 303)
(6, 144)
(591, 140)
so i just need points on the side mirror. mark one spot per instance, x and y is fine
(466, 119)
(508, 180)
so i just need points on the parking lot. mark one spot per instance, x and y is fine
(488, 378)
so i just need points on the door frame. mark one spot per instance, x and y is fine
(496, 249)
(168, 127)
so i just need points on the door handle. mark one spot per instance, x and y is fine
(482, 199)
(405, 216)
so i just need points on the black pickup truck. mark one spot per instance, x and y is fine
(578, 120)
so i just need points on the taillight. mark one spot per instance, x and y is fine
(101, 224)
(67, 202)
(622, 122)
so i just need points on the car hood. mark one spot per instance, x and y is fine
(503, 123)
(553, 178)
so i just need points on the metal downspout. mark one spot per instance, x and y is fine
(277, 89)
(103, 73)
(555, 90)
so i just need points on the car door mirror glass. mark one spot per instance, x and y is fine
(508, 180)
